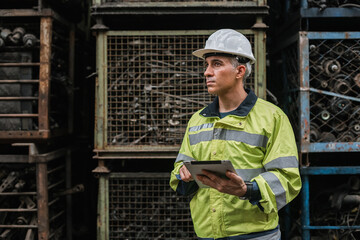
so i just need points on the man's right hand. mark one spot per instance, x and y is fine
(185, 174)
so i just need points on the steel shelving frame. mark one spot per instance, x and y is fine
(305, 196)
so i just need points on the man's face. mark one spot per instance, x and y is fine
(220, 75)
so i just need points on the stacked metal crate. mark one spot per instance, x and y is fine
(320, 78)
(32, 193)
(36, 81)
(148, 86)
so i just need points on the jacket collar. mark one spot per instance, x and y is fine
(212, 110)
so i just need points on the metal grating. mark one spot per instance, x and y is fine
(154, 85)
(143, 206)
(334, 67)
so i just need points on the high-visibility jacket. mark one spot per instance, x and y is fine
(259, 141)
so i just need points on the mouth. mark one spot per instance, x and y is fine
(210, 81)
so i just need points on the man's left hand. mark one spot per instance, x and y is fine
(235, 185)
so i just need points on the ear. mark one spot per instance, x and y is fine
(240, 71)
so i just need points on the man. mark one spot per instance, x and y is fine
(253, 134)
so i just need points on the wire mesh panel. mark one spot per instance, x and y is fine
(329, 90)
(154, 85)
(143, 206)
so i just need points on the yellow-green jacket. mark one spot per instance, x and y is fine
(259, 140)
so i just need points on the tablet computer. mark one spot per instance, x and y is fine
(218, 167)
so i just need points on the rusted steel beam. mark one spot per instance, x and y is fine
(44, 75)
(42, 201)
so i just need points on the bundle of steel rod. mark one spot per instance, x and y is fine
(154, 86)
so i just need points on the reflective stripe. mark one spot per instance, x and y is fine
(282, 162)
(183, 157)
(274, 234)
(276, 187)
(197, 128)
(200, 137)
(229, 135)
(248, 174)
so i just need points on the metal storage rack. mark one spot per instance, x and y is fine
(321, 69)
(32, 193)
(306, 173)
(36, 74)
(149, 85)
(142, 206)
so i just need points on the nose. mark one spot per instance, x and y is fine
(208, 71)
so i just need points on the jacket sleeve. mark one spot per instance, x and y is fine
(181, 187)
(281, 182)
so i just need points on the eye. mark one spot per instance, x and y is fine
(217, 64)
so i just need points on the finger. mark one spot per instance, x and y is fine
(210, 175)
(185, 174)
(205, 180)
(234, 177)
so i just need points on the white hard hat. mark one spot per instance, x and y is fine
(227, 41)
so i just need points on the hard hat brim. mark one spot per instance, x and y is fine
(201, 52)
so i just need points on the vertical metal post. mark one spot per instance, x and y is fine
(71, 77)
(103, 207)
(42, 201)
(44, 75)
(305, 208)
(260, 65)
(100, 113)
(304, 91)
(69, 196)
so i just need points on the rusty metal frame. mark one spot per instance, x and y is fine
(41, 161)
(47, 16)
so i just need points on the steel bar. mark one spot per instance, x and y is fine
(18, 226)
(356, 99)
(42, 201)
(44, 74)
(24, 64)
(17, 210)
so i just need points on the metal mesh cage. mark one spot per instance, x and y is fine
(143, 206)
(334, 67)
(323, 102)
(154, 85)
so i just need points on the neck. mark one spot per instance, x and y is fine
(231, 101)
